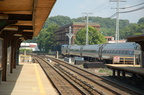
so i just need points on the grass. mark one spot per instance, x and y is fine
(105, 70)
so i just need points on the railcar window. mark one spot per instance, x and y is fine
(76, 50)
(114, 52)
(106, 51)
(131, 52)
(126, 52)
(109, 51)
(96, 51)
(86, 50)
(122, 52)
(117, 51)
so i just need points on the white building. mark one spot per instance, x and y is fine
(32, 46)
(110, 39)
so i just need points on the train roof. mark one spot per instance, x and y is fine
(97, 46)
(127, 45)
(75, 46)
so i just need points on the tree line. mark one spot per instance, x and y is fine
(46, 38)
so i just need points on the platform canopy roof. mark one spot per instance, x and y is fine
(137, 38)
(27, 17)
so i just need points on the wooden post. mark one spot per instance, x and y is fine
(56, 54)
(4, 57)
(118, 73)
(12, 59)
(123, 74)
(142, 63)
(114, 72)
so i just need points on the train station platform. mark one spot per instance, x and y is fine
(27, 79)
(134, 69)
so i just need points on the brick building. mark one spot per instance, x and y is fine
(75, 26)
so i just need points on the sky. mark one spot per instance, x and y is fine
(98, 8)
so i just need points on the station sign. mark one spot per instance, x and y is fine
(116, 59)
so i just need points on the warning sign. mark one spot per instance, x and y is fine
(116, 59)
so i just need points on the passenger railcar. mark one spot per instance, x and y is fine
(75, 50)
(118, 49)
(91, 51)
(102, 52)
(64, 49)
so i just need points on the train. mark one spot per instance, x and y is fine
(104, 52)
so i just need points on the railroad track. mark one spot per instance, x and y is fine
(59, 80)
(88, 82)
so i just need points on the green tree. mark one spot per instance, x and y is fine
(40, 40)
(27, 50)
(141, 20)
(59, 20)
(95, 37)
(50, 37)
(128, 31)
(140, 29)
(46, 38)
(107, 31)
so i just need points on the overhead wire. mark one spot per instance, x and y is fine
(100, 6)
(132, 6)
(132, 10)
(113, 15)
(129, 10)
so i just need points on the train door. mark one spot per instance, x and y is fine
(81, 51)
(137, 55)
(100, 52)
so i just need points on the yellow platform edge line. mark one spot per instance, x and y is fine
(40, 84)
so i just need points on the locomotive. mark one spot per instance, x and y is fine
(103, 52)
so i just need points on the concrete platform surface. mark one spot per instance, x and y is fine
(27, 79)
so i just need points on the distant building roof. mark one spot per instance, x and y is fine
(28, 44)
(32, 46)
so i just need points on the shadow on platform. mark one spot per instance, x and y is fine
(6, 87)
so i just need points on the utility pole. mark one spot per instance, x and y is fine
(70, 35)
(117, 19)
(87, 18)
